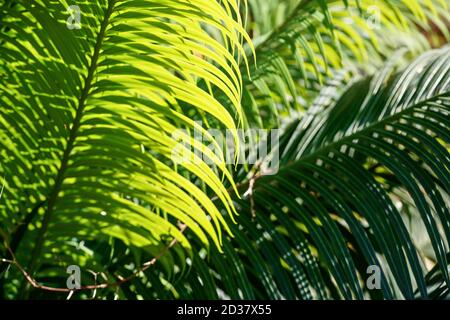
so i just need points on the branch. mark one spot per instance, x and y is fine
(249, 185)
(33, 282)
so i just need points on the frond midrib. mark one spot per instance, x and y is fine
(354, 135)
(53, 195)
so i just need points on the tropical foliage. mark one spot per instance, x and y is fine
(359, 89)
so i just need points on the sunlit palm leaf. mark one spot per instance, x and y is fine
(87, 117)
(318, 37)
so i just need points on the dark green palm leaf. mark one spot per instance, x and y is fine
(327, 215)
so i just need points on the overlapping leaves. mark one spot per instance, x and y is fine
(330, 211)
(319, 37)
(87, 116)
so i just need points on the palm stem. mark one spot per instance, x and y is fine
(71, 141)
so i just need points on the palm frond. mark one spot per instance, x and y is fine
(87, 120)
(329, 213)
(91, 114)
(318, 38)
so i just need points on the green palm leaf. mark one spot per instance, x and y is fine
(318, 38)
(94, 116)
(329, 213)
(87, 118)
